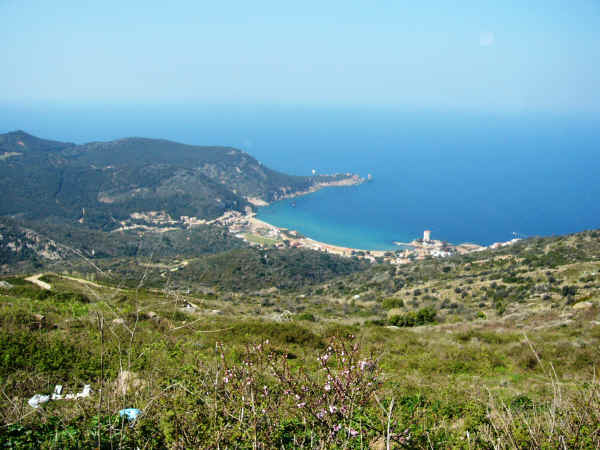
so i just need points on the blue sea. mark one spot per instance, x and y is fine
(467, 176)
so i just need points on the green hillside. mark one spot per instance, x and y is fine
(104, 182)
(497, 349)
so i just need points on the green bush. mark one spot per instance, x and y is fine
(414, 318)
(44, 353)
(568, 291)
(79, 432)
(391, 302)
(306, 316)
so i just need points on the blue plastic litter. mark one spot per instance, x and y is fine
(130, 413)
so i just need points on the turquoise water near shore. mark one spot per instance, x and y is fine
(327, 216)
(469, 177)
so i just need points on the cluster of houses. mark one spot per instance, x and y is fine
(246, 225)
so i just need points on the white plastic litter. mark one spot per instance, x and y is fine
(87, 390)
(38, 399)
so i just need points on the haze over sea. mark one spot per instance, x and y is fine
(468, 177)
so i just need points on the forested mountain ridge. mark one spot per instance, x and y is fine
(101, 183)
(23, 143)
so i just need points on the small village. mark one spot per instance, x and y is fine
(258, 233)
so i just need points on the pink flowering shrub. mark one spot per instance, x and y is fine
(259, 399)
(332, 398)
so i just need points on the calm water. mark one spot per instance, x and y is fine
(467, 177)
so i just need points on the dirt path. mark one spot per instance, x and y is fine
(35, 279)
(90, 283)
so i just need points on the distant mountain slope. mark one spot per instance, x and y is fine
(21, 142)
(104, 182)
(20, 246)
(23, 248)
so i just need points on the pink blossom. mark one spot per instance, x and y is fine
(352, 432)
(301, 405)
(337, 427)
(332, 409)
(327, 387)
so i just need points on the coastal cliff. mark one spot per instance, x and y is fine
(100, 184)
(321, 182)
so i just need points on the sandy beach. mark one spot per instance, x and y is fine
(297, 240)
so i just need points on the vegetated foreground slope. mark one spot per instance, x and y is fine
(101, 183)
(496, 349)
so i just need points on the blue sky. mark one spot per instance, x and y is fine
(501, 55)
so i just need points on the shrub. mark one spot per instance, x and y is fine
(261, 399)
(306, 316)
(570, 421)
(500, 308)
(391, 302)
(413, 319)
(106, 430)
(568, 291)
(45, 354)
